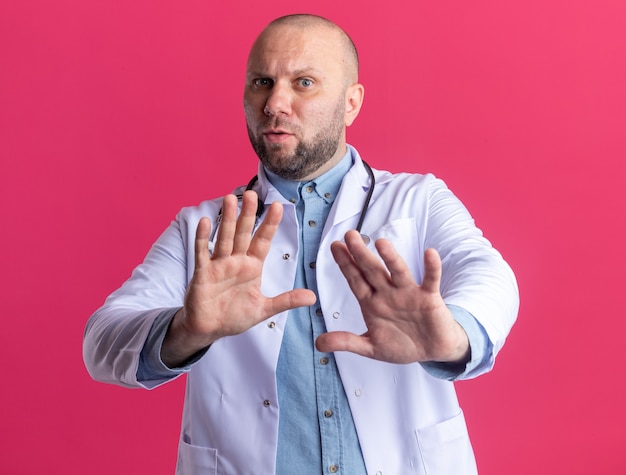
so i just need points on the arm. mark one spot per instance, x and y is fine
(223, 298)
(470, 276)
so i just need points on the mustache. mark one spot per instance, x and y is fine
(278, 123)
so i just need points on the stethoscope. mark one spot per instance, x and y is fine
(261, 207)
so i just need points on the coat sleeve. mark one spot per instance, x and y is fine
(475, 277)
(115, 335)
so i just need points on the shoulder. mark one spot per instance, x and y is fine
(207, 208)
(408, 184)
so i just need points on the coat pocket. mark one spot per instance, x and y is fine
(194, 460)
(402, 233)
(445, 448)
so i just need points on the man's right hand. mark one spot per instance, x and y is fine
(224, 295)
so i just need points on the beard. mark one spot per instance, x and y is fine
(308, 156)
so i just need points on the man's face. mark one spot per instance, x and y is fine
(295, 100)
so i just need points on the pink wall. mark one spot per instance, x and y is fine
(115, 114)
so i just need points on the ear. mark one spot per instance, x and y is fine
(354, 100)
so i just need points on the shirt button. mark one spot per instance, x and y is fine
(318, 312)
(327, 195)
(333, 468)
(324, 360)
(266, 403)
(271, 324)
(312, 264)
(336, 315)
(357, 393)
(286, 256)
(312, 223)
(292, 200)
(309, 189)
(328, 413)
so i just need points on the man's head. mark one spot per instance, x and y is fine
(301, 93)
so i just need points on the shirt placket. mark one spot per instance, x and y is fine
(325, 370)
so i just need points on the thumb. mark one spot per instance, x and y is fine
(291, 299)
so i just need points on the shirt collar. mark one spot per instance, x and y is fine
(326, 185)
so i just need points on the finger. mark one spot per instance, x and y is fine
(201, 245)
(288, 300)
(344, 341)
(226, 232)
(400, 273)
(369, 264)
(245, 222)
(262, 239)
(432, 271)
(356, 280)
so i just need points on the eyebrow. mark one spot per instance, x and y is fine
(298, 72)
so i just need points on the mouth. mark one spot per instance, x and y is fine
(276, 135)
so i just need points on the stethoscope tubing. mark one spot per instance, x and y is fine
(261, 205)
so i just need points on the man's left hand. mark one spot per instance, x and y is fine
(406, 322)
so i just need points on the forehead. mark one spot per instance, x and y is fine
(287, 48)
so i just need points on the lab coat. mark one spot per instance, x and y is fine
(408, 421)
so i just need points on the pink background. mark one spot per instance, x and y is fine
(115, 114)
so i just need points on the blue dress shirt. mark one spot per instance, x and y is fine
(316, 433)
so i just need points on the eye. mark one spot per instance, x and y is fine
(262, 82)
(305, 83)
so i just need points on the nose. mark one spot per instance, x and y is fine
(278, 101)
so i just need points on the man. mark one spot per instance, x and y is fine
(310, 347)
